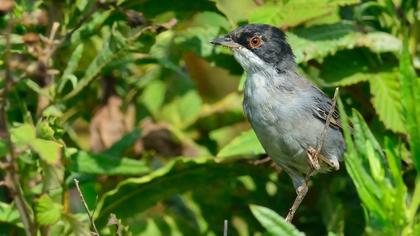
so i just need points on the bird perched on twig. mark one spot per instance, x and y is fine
(296, 123)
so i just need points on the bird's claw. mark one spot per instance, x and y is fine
(313, 159)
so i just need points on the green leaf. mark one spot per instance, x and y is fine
(72, 65)
(48, 150)
(354, 66)
(292, 13)
(47, 211)
(83, 162)
(112, 47)
(74, 60)
(381, 192)
(9, 214)
(183, 111)
(182, 174)
(127, 141)
(23, 134)
(153, 96)
(273, 223)
(319, 41)
(386, 99)
(204, 27)
(162, 10)
(410, 98)
(236, 10)
(76, 226)
(245, 144)
(90, 28)
(36, 88)
(3, 148)
(81, 4)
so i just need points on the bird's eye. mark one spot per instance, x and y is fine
(255, 42)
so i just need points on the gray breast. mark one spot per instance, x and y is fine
(273, 114)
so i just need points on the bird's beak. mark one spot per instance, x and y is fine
(226, 42)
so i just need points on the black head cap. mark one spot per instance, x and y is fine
(266, 41)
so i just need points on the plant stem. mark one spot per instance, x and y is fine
(11, 176)
(90, 215)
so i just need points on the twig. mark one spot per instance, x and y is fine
(11, 177)
(82, 198)
(301, 193)
(225, 228)
(302, 190)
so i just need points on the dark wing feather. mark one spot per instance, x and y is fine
(321, 108)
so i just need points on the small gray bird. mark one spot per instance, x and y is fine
(287, 112)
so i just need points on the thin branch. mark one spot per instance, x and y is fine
(301, 193)
(12, 178)
(82, 198)
(302, 190)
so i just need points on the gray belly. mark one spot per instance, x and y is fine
(278, 130)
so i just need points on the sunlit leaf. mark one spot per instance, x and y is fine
(273, 223)
(9, 214)
(49, 151)
(382, 197)
(153, 96)
(410, 98)
(292, 13)
(75, 225)
(23, 134)
(386, 99)
(245, 144)
(47, 211)
(236, 10)
(184, 110)
(319, 41)
(84, 162)
(205, 27)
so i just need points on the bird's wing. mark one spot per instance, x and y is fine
(321, 108)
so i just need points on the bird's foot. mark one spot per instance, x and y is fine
(313, 159)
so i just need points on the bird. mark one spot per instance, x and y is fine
(287, 112)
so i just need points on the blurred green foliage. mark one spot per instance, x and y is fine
(129, 98)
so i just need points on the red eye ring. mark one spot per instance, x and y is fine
(255, 42)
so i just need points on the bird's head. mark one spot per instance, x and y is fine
(259, 47)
